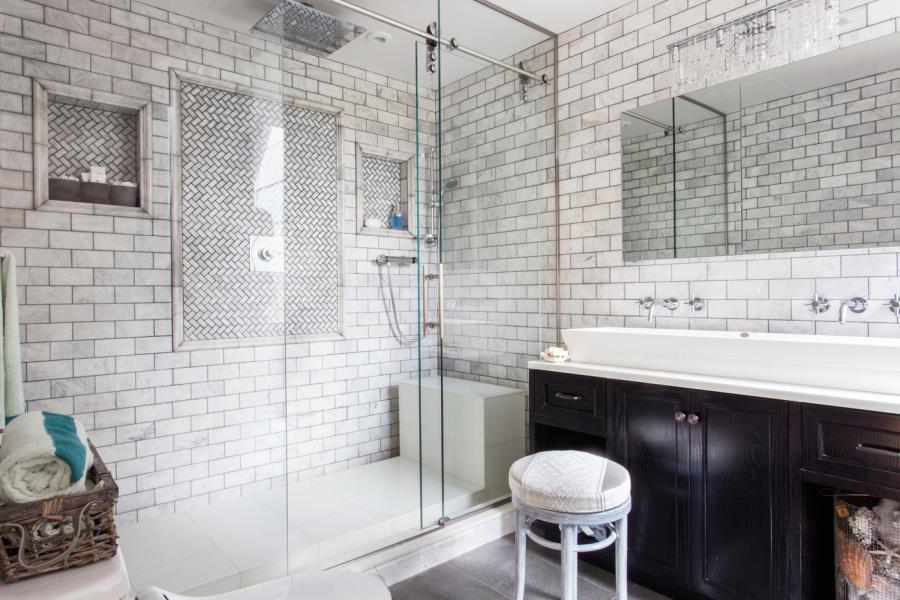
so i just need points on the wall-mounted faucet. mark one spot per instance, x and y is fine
(819, 304)
(855, 305)
(651, 304)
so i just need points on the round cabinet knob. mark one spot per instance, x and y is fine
(680, 417)
(693, 419)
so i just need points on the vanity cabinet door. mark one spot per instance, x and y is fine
(739, 496)
(654, 447)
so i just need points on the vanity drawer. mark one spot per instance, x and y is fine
(859, 445)
(572, 400)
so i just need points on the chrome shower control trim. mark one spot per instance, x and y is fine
(697, 303)
(855, 305)
(894, 305)
(819, 304)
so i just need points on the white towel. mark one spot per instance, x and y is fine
(12, 398)
(43, 455)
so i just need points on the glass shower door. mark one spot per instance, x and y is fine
(425, 408)
(495, 198)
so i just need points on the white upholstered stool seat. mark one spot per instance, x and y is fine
(580, 493)
(569, 481)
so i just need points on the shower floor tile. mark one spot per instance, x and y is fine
(242, 541)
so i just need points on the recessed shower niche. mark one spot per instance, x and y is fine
(92, 151)
(385, 191)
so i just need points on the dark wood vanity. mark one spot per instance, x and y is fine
(726, 489)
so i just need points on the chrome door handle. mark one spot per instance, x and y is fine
(440, 275)
(680, 417)
(879, 450)
(693, 419)
(426, 277)
(424, 316)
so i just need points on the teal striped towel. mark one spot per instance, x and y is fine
(43, 455)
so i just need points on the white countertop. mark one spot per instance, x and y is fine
(886, 403)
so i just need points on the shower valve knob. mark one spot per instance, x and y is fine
(265, 254)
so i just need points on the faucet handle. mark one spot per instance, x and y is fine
(819, 304)
(697, 303)
(894, 305)
(858, 305)
(646, 301)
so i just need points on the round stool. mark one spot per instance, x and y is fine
(579, 492)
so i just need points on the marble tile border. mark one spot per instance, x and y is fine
(176, 77)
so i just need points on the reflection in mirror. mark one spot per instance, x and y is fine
(648, 185)
(800, 157)
(702, 155)
(822, 168)
(676, 180)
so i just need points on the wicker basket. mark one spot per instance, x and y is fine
(67, 531)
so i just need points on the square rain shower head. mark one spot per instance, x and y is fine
(301, 25)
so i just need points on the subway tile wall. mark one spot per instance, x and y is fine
(499, 246)
(180, 429)
(842, 146)
(619, 61)
(187, 428)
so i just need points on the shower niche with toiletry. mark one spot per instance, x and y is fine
(92, 150)
(385, 192)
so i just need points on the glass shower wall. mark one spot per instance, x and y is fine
(498, 250)
(355, 480)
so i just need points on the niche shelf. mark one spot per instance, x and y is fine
(384, 178)
(76, 128)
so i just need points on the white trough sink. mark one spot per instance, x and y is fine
(845, 363)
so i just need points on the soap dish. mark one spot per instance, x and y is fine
(555, 355)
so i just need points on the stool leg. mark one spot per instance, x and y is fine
(622, 558)
(569, 562)
(521, 541)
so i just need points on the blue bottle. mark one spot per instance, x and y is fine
(397, 220)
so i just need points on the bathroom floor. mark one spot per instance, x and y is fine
(236, 543)
(489, 573)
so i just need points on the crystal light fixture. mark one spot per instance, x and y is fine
(774, 36)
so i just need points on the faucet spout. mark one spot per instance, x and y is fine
(651, 305)
(856, 305)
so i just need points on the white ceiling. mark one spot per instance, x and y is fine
(559, 15)
(475, 25)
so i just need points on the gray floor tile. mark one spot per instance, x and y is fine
(444, 582)
(489, 573)
(495, 565)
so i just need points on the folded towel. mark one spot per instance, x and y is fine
(12, 399)
(43, 455)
